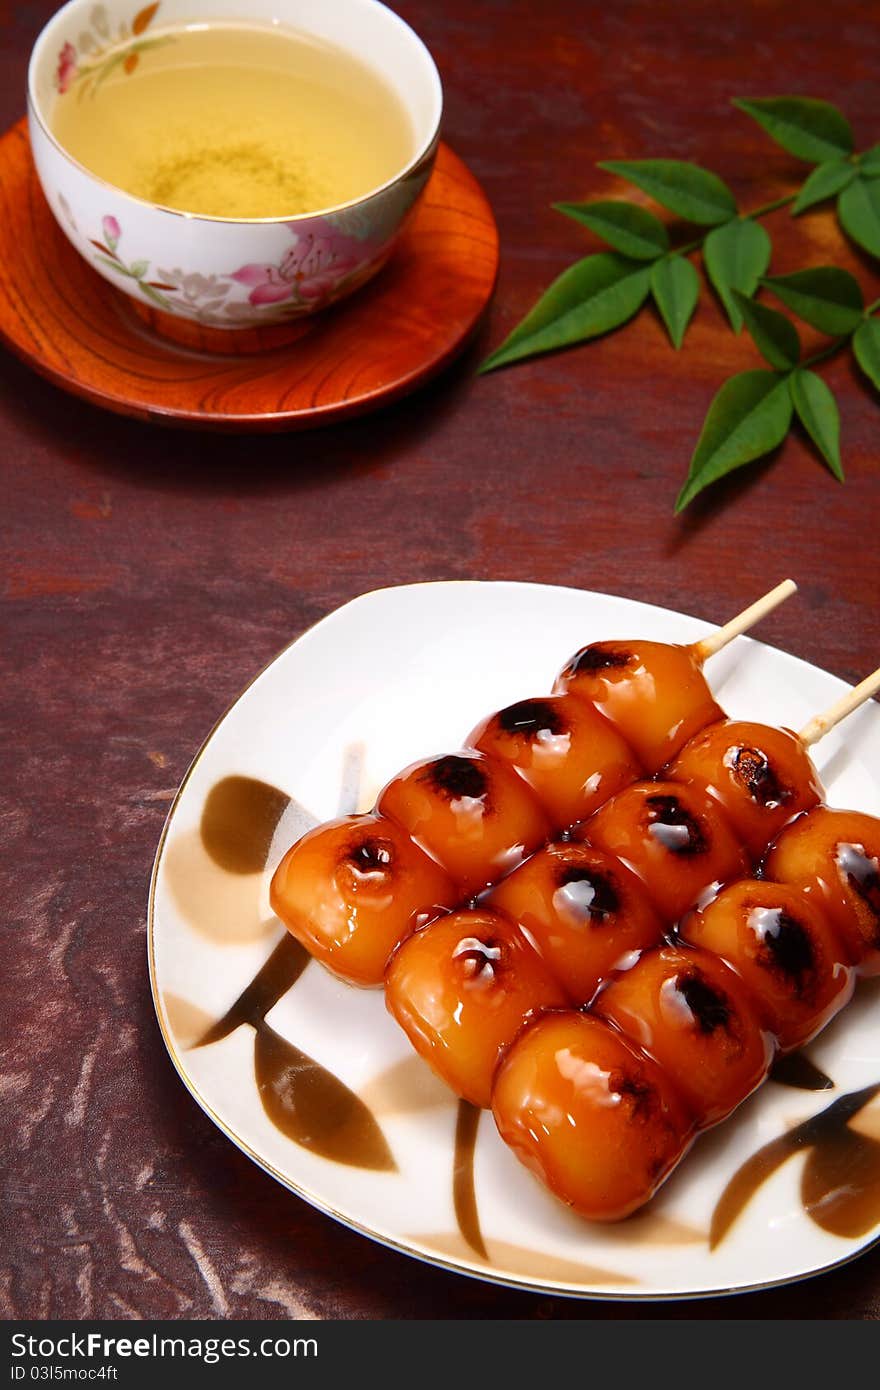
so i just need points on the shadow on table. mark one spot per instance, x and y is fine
(191, 461)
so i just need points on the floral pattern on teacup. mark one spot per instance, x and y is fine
(67, 67)
(322, 265)
(309, 272)
(104, 53)
(107, 254)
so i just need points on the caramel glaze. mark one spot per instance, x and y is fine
(863, 872)
(833, 856)
(318, 1111)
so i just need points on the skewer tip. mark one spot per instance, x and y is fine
(708, 646)
(823, 723)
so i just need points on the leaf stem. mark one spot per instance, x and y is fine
(872, 308)
(827, 352)
(742, 217)
(770, 207)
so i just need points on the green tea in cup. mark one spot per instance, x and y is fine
(233, 121)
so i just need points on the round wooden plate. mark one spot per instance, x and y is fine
(65, 321)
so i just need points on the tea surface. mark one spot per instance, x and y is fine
(233, 120)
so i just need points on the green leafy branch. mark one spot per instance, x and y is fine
(752, 412)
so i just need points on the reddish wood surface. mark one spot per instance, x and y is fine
(148, 574)
(64, 320)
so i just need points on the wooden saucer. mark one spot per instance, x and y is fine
(70, 325)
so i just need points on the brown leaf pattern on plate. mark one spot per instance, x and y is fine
(314, 1108)
(405, 1088)
(271, 983)
(840, 1186)
(650, 1227)
(304, 1100)
(186, 1020)
(226, 909)
(464, 1195)
(238, 821)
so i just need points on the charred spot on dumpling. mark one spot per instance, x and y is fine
(455, 777)
(676, 829)
(598, 658)
(786, 948)
(531, 718)
(371, 855)
(640, 1094)
(709, 1006)
(757, 775)
(587, 891)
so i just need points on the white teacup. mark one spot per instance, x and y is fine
(204, 268)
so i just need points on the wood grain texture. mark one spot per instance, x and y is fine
(64, 320)
(147, 575)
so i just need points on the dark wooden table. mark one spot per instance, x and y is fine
(148, 574)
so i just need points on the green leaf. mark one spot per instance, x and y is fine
(114, 265)
(139, 268)
(749, 416)
(154, 295)
(594, 295)
(676, 288)
(736, 257)
(632, 230)
(775, 336)
(811, 130)
(858, 208)
(870, 161)
(818, 413)
(687, 190)
(866, 346)
(823, 183)
(825, 297)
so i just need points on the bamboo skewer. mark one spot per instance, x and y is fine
(708, 646)
(821, 724)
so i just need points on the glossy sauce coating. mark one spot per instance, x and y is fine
(834, 857)
(653, 692)
(570, 756)
(461, 989)
(589, 1114)
(786, 951)
(674, 836)
(693, 1015)
(471, 813)
(353, 889)
(583, 909)
(760, 776)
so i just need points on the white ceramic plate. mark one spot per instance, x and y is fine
(315, 1068)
